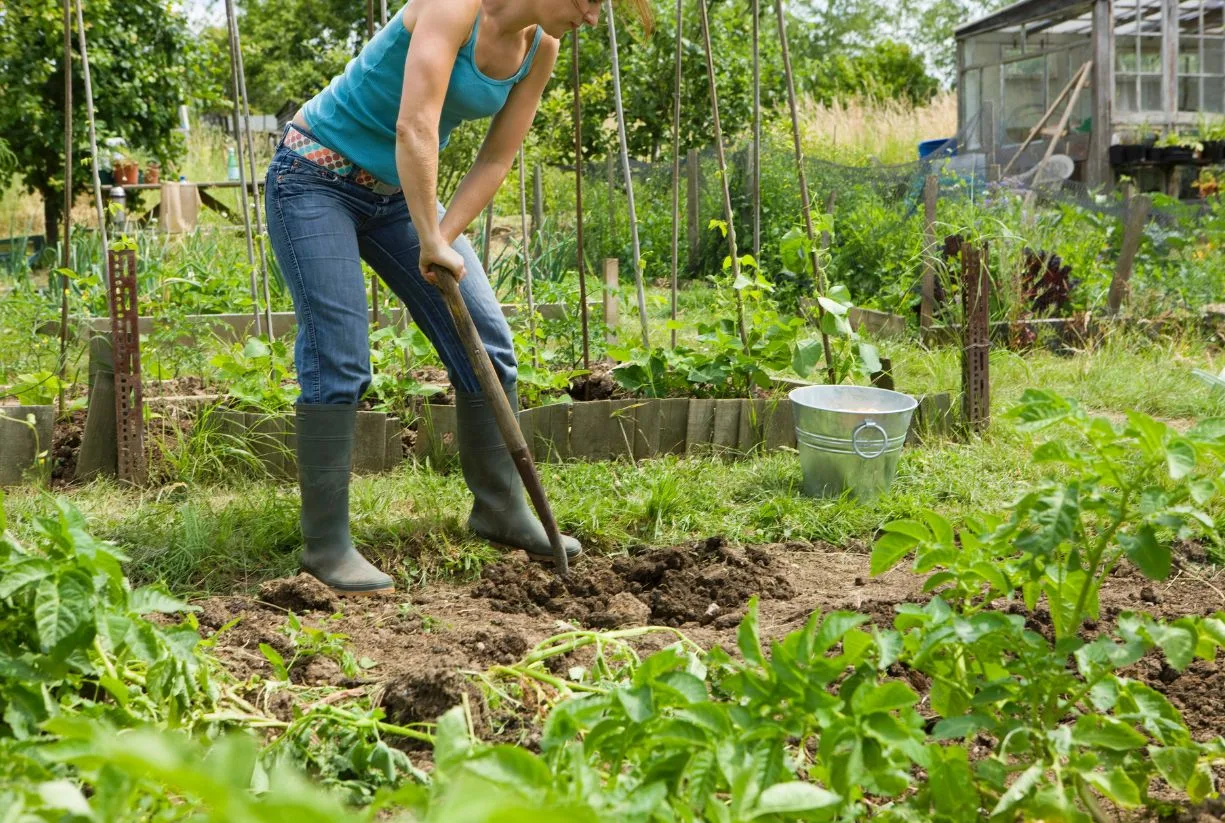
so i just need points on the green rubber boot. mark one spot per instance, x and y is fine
(325, 453)
(500, 513)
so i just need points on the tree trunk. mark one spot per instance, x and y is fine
(51, 216)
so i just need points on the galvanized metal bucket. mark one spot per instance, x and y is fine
(850, 438)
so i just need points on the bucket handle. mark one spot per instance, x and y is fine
(864, 426)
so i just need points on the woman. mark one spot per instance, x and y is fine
(355, 178)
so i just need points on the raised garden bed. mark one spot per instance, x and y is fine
(21, 444)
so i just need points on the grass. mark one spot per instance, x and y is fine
(222, 537)
(860, 131)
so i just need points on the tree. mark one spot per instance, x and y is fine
(934, 23)
(139, 60)
(293, 48)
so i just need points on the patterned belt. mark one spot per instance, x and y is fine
(303, 145)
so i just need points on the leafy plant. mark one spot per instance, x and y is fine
(35, 389)
(256, 372)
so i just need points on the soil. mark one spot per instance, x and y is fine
(424, 640)
(65, 445)
(597, 385)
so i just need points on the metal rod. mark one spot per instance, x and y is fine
(67, 251)
(383, 12)
(232, 25)
(578, 197)
(805, 199)
(756, 152)
(727, 195)
(625, 170)
(259, 217)
(676, 161)
(93, 130)
(527, 256)
(503, 413)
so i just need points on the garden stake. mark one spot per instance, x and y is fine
(755, 184)
(727, 195)
(578, 206)
(502, 411)
(805, 200)
(625, 170)
(527, 256)
(232, 24)
(67, 258)
(676, 161)
(259, 218)
(93, 129)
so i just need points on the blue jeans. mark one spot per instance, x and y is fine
(322, 226)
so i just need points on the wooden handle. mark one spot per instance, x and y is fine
(508, 424)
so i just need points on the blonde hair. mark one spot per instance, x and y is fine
(640, 10)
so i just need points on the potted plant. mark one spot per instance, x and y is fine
(1212, 135)
(127, 173)
(153, 172)
(1176, 148)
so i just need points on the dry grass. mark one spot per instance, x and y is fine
(889, 131)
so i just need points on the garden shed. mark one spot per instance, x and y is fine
(1157, 68)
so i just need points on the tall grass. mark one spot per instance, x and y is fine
(889, 131)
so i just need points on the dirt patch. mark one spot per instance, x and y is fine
(597, 385)
(420, 643)
(65, 446)
(707, 583)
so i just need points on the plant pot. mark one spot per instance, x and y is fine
(1118, 155)
(153, 174)
(1214, 151)
(126, 174)
(1134, 153)
(1178, 154)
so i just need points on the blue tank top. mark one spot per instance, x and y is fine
(356, 114)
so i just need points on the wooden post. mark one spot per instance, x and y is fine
(693, 198)
(883, 379)
(676, 162)
(612, 282)
(755, 177)
(636, 260)
(66, 258)
(578, 197)
(527, 255)
(537, 199)
(487, 237)
(805, 200)
(232, 23)
(927, 304)
(976, 342)
(1133, 233)
(1099, 172)
(610, 170)
(728, 214)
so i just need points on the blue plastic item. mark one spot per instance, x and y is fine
(943, 146)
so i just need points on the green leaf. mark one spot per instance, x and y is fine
(1177, 641)
(1142, 548)
(1116, 786)
(1180, 458)
(510, 766)
(60, 606)
(20, 574)
(1202, 491)
(806, 357)
(255, 348)
(839, 292)
(748, 637)
(951, 728)
(793, 797)
(884, 698)
(638, 702)
(911, 528)
(889, 550)
(869, 356)
(63, 795)
(278, 662)
(1200, 786)
(148, 600)
(1097, 732)
(1176, 764)
(833, 306)
(451, 740)
(1019, 790)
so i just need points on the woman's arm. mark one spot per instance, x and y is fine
(439, 32)
(497, 153)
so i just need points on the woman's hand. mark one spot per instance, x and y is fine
(438, 253)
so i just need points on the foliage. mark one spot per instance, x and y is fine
(256, 374)
(394, 353)
(139, 54)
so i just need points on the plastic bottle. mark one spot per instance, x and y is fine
(231, 165)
